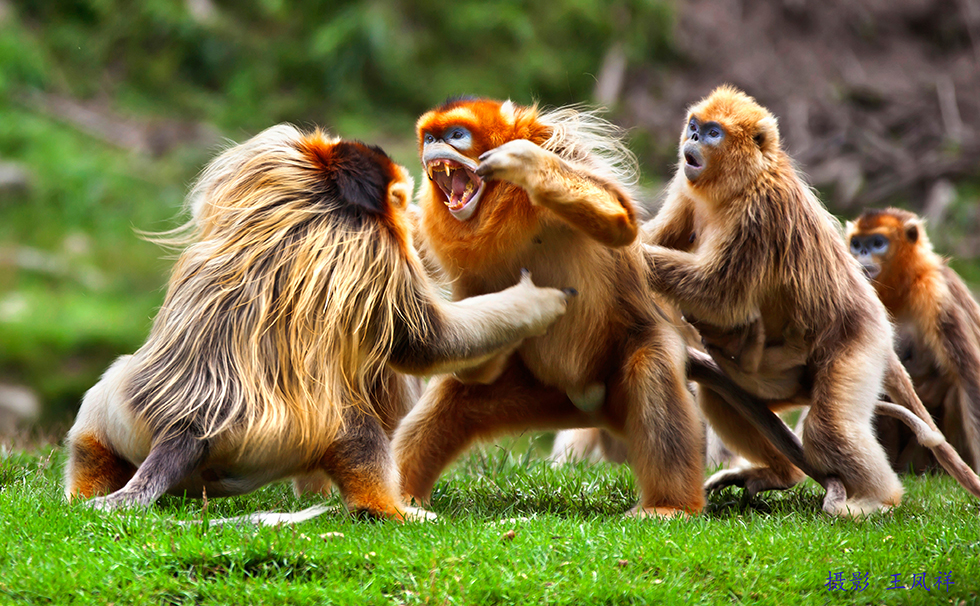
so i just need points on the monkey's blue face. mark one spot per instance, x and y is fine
(869, 250)
(700, 140)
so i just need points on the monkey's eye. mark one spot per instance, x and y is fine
(459, 138)
(855, 245)
(713, 133)
(879, 244)
(694, 126)
(428, 138)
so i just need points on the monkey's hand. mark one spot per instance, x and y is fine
(518, 162)
(597, 206)
(546, 304)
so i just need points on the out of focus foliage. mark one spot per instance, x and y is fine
(244, 65)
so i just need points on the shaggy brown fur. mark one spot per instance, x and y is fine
(287, 316)
(740, 239)
(939, 325)
(553, 197)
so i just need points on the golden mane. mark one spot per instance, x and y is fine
(281, 310)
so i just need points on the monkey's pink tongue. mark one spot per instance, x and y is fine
(460, 179)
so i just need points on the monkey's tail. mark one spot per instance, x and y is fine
(703, 370)
(899, 387)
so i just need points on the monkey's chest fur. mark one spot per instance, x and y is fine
(581, 348)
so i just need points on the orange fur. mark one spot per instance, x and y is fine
(98, 470)
(556, 200)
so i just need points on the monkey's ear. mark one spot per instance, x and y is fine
(766, 135)
(912, 232)
(401, 188)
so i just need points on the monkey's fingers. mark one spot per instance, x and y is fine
(513, 161)
(417, 514)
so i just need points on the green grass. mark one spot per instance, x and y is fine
(570, 545)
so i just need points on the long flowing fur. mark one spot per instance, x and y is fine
(581, 135)
(281, 310)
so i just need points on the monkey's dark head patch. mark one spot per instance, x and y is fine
(457, 100)
(354, 173)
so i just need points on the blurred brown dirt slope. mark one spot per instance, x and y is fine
(875, 98)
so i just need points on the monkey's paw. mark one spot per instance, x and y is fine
(544, 305)
(753, 479)
(115, 501)
(513, 161)
(417, 514)
(657, 512)
(857, 508)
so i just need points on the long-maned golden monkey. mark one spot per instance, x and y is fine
(277, 351)
(511, 186)
(740, 242)
(939, 328)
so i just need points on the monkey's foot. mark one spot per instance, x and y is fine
(657, 512)
(753, 479)
(857, 508)
(417, 514)
(117, 500)
(836, 496)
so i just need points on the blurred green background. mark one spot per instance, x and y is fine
(108, 109)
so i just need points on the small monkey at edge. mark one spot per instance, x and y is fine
(938, 321)
(740, 240)
(289, 318)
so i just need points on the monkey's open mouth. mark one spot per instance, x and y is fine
(871, 270)
(461, 186)
(693, 162)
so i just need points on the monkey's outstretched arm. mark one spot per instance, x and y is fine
(719, 293)
(462, 334)
(595, 205)
(672, 227)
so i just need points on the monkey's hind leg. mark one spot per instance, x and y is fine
(360, 462)
(451, 415)
(838, 437)
(663, 431)
(94, 468)
(170, 461)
